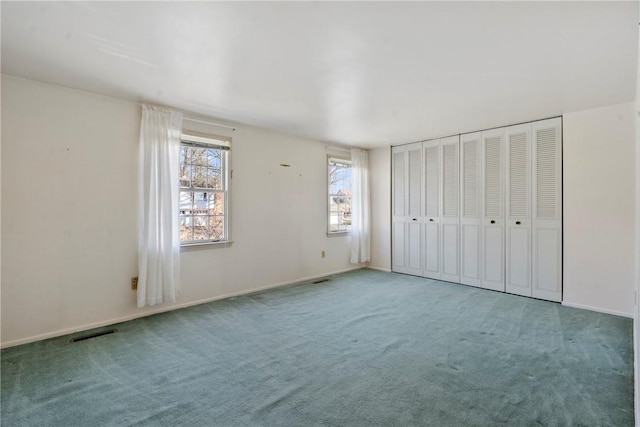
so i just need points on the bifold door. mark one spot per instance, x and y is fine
(414, 213)
(398, 208)
(518, 179)
(547, 209)
(493, 210)
(470, 218)
(449, 215)
(432, 155)
(406, 230)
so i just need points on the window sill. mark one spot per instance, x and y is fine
(206, 245)
(338, 234)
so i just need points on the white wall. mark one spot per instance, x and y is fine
(69, 214)
(599, 211)
(380, 165)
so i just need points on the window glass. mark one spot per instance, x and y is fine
(203, 192)
(339, 197)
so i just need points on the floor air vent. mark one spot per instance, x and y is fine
(321, 281)
(94, 335)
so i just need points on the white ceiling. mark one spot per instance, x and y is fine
(357, 73)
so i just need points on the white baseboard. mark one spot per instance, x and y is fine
(373, 267)
(164, 309)
(599, 310)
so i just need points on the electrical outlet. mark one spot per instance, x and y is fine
(134, 283)
(322, 254)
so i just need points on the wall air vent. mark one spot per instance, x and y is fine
(93, 335)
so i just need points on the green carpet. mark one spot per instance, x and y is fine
(364, 349)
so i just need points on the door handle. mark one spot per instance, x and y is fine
(517, 222)
(493, 221)
(414, 219)
(431, 219)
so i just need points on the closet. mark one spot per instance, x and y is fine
(482, 209)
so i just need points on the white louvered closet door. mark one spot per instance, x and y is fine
(450, 211)
(399, 208)
(518, 199)
(547, 209)
(470, 214)
(414, 218)
(431, 156)
(493, 210)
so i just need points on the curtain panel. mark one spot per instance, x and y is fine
(360, 207)
(158, 239)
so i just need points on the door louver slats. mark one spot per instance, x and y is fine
(415, 171)
(450, 180)
(546, 179)
(470, 183)
(432, 176)
(493, 177)
(398, 184)
(518, 173)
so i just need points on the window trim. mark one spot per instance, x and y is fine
(346, 159)
(205, 245)
(196, 139)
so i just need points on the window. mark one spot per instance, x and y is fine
(204, 183)
(339, 206)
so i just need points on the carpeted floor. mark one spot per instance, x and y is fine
(364, 349)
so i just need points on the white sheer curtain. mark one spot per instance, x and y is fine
(360, 207)
(158, 184)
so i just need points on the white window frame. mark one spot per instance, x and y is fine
(200, 140)
(334, 159)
